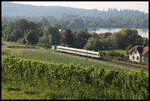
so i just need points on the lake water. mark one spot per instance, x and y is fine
(142, 32)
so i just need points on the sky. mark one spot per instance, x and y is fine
(141, 6)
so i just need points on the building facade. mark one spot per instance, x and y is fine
(134, 56)
(139, 54)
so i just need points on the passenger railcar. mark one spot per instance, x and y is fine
(76, 51)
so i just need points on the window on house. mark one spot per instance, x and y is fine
(133, 57)
(135, 52)
(137, 58)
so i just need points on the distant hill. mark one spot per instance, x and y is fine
(12, 9)
(74, 18)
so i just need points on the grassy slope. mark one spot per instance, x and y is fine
(10, 91)
(12, 43)
(57, 57)
(17, 45)
(14, 92)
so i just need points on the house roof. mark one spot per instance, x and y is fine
(145, 50)
(136, 47)
(140, 49)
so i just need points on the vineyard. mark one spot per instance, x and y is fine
(56, 57)
(74, 81)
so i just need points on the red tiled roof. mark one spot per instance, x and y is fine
(145, 50)
(136, 47)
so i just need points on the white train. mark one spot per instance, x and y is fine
(80, 52)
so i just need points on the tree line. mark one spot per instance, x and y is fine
(70, 21)
(34, 33)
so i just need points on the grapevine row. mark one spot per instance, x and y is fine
(104, 83)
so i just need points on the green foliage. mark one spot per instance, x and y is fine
(67, 37)
(31, 37)
(17, 29)
(127, 37)
(145, 42)
(75, 18)
(22, 40)
(28, 32)
(117, 55)
(105, 35)
(55, 35)
(80, 38)
(92, 44)
(81, 82)
(124, 39)
(56, 57)
(108, 44)
(46, 40)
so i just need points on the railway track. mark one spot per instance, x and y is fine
(127, 64)
(124, 63)
(95, 55)
(114, 61)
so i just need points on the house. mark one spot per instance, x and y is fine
(139, 54)
(145, 55)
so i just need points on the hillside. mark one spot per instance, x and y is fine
(74, 18)
(12, 9)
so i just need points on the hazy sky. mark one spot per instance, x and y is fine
(141, 6)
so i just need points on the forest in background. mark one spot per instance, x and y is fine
(75, 18)
(34, 33)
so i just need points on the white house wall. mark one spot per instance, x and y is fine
(136, 54)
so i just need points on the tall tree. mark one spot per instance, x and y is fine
(46, 41)
(93, 44)
(80, 38)
(31, 37)
(55, 34)
(127, 37)
(145, 42)
(67, 37)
